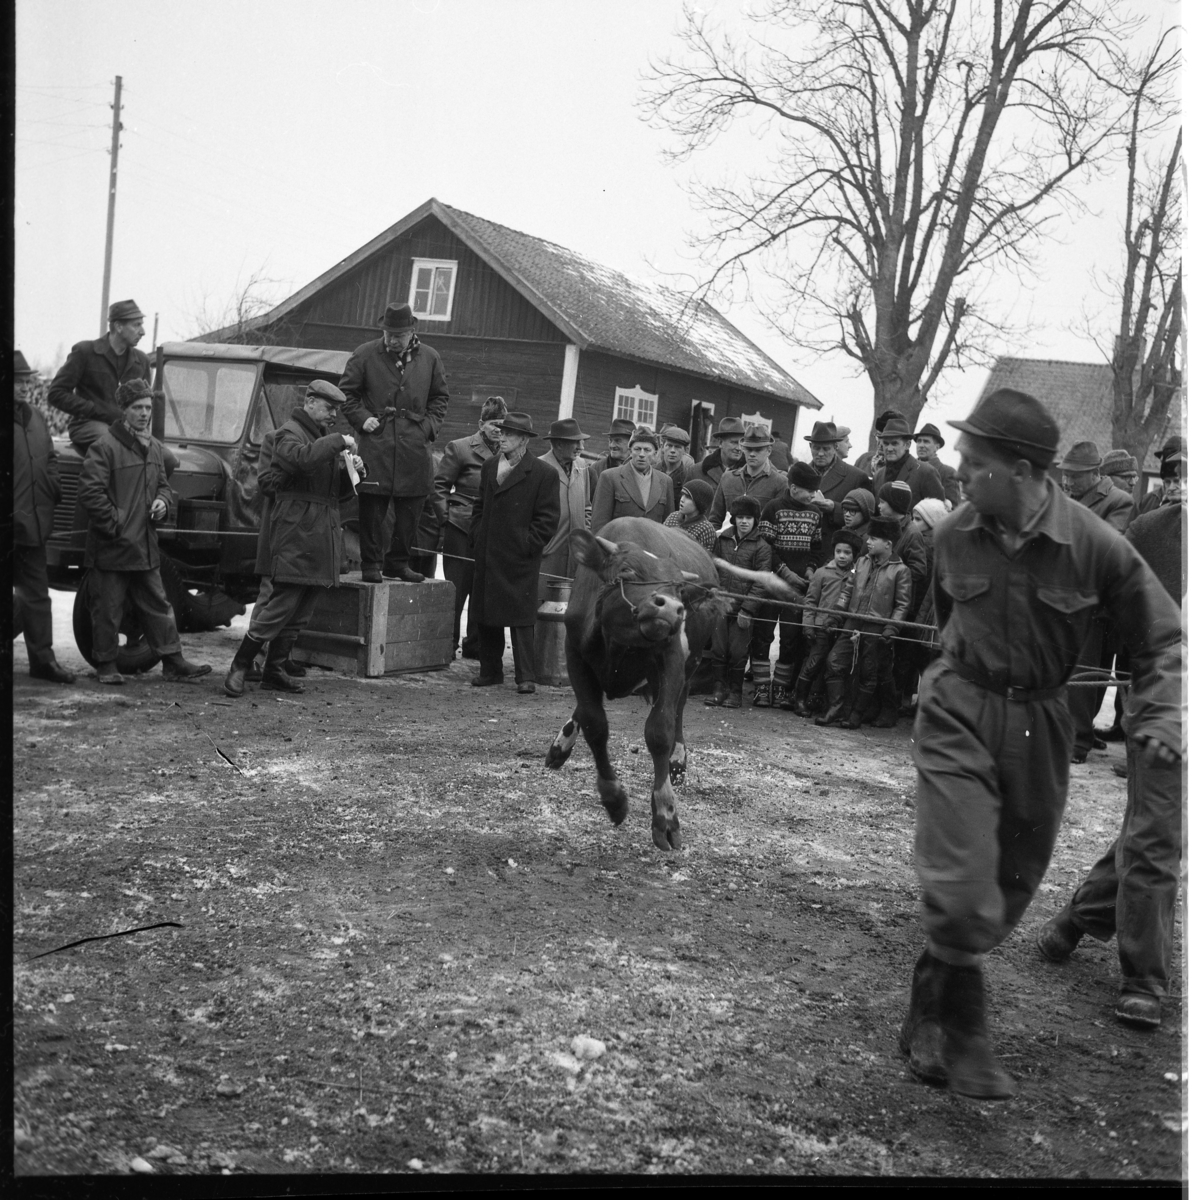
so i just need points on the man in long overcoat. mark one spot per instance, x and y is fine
(457, 484)
(396, 400)
(837, 477)
(123, 488)
(35, 491)
(636, 488)
(301, 543)
(516, 514)
(564, 459)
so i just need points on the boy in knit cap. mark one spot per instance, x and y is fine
(880, 588)
(857, 508)
(694, 499)
(742, 546)
(823, 593)
(793, 528)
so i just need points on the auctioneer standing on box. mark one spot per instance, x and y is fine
(396, 398)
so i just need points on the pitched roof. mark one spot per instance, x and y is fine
(1080, 396)
(597, 307)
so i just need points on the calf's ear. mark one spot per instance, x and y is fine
(591, 552)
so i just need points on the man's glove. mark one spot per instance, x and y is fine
(744, 621)
(888, 633)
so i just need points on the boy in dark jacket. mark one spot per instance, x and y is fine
(742, 545)
(880, 588)
(823, 593)
(793, 527)
(857, 509)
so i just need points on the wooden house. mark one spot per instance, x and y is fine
(553, 333)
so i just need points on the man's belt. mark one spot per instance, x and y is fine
(991, 683)
(324, 500)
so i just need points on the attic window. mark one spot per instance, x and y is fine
(432, 287)
(633, 404)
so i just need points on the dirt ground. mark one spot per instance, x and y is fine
(395, 922)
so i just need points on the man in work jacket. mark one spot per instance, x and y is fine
(457, 484)
(1020, 571)
(564, 459)
(301, 544)
(123, 488)
(35, 491)
(396, 399)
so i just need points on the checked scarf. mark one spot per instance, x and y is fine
(403, 357)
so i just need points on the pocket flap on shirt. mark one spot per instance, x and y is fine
(965, 587)
(1067, 600)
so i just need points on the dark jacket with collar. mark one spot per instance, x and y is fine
(301, 540)
(766, 486)
(1112, 504)
(617, 495)
(838, 480)
(86, 384)
(920, 477)
(35, 486)
(458, 478)
(710, 468)
(398, 454)
(750, 552)
(511, 524)
(877, 590)
(120, 480)
(949, 479)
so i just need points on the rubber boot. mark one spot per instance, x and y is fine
(736, 677)
(888, 715)
(780, 697)
(836, 702)
(234, 680)
(860, 705)
(799, 697)
(968, 1059)
(763, 694)
(921, 1040)
(273, 674)
(720, 691)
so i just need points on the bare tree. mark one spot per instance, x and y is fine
(237, 320)
(1147, 348)
(916, 148)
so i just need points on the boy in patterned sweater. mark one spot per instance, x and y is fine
(793, 527)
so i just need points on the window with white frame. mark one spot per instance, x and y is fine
(633, 404)
(432, 288)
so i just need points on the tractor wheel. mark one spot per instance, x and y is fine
(196, 612)
(134, 654)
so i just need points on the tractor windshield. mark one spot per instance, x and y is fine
(207, 401)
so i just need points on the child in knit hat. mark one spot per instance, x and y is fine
(823, 593)
(695, 498)
(856, 509)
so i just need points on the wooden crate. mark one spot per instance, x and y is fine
(380, 628)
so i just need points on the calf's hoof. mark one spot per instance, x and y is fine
(616, 803)
(665, 834)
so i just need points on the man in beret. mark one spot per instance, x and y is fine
(1173, 448)
(35, 491)
(123, 489)
(898, 464)
(516, 515)
(85, 386)
(1019, 572)
(396, 399)
(563, 458)
(837, 477)
(301, 545)
(928, 445)
(728, 455)
(457, 484)
(620, 432)
(1082, 481)
(636, 488)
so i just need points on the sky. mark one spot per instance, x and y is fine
(272, 138)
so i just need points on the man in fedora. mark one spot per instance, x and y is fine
(35, 491)
(1172, 484)
(757, 476)
(564, 459)
(928, 445)
(636, 488)
(726, 457)
(673, 451)
(837, 477)
(85, 386)
(1020, 570)
(620, 432)
(396, 399)
(516, 515)
(457, 484)
(894, 442)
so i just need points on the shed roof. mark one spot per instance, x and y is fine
(596, 306)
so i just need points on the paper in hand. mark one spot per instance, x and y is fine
(353, 474)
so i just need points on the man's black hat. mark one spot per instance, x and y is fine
(1018, 422)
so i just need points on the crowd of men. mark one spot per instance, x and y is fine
(975, 621)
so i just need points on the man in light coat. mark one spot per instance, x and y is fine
(564, 459)
(457, 484)
(301, 544)
(636, 488)
(396, 399)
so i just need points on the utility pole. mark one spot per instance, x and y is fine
(116, 128)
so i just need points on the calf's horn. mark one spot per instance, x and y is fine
(605, 543)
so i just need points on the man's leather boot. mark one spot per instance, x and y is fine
(234, 680)
(51, 670)
(921, 1040)
(968, 1059)
(273, 674)
(800, 697)
(720, 692)
(179, 669)
(888, 716)
(736, 678)
(835, 688)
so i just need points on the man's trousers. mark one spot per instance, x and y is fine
(730, 644)
(373, 510)
(110, 592)
(1084, 702)
(458, 570)
(992, 781)
(1132, 889)
(492, 651)
(32, 613)
(287, 610)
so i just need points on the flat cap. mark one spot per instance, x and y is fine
(1018, 422)
(125, 310)
(320, 389)
(673, 433)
